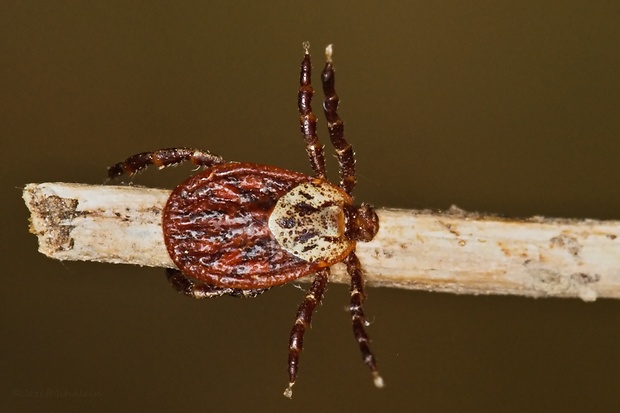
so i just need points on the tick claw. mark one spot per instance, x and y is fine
(289, 391)
(378, 380)
(328, 53)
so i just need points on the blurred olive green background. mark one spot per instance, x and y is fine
(511, 108)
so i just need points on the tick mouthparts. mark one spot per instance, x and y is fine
(361, 223)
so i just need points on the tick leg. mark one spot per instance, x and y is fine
(302, 321)
(162, 158)
(307, 120)
(335, 126)
(358, 318)
(186, 286)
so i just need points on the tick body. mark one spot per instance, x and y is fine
(240, 228)
(248, 226)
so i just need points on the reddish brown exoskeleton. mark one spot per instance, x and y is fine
(240, 228)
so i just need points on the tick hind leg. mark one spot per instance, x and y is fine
(302, 322)
(162, 158)
(190, 288)
(358, 318)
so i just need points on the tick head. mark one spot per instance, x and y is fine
(362, 223)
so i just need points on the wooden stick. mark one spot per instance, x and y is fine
(451, 251)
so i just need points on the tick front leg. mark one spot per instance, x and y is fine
(358, 318)
(162, 158)
(307, 120)
(186, 286)
(302, 321)
(335, 126)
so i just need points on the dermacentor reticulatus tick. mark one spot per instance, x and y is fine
(240, 228)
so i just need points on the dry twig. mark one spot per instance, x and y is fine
(451, 251)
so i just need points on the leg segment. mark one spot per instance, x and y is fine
(307, 120)
(192, 289)
(162, 158)
(335, 126)
(302, 321)
(358, 318)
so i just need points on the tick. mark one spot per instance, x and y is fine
(239, 229)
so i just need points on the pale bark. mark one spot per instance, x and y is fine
(450, 251)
